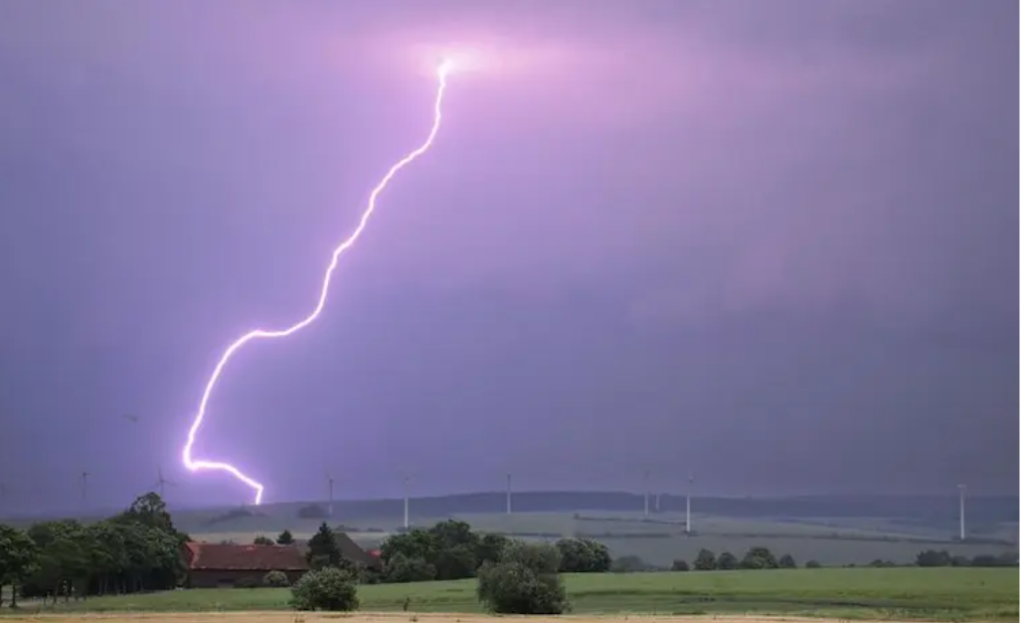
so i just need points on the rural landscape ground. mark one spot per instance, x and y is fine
(831, 530)
(870, 594)
(867, 548)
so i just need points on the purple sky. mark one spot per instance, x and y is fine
(774, 243)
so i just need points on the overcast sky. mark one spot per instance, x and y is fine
(771, 243)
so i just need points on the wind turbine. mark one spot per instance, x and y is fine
(508, 494)
(647, 492)
(405, 499)
(689, 489)
(161, 482)
(330, 494)
(84, 481)
(963, 526)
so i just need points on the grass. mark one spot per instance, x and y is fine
(943, 594)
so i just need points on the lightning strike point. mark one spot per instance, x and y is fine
(197, 465)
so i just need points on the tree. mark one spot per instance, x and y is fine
(727, 562)
(934, 558)
(524, 581)
(17, 559)
(323, 548)
(416, 543)
(584, 556)
(325, 589)
(62, 559)
(787, 562)
(285, 538)
(680, 565)
(262, 540)
(150, 511)
(455, 547)
(401, 569)
(759, 558)
(491, 547)
(705, 561)
(812, 564)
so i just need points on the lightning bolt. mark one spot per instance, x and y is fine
(196, 465)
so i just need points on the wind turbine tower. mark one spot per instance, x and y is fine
(405, 500)
(647, 492)
(508, 494)
(330, 495)
(963, 526)
(84, 480)
(689, 490)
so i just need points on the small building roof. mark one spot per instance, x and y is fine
(232, 557)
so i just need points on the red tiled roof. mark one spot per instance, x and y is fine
(225, 557)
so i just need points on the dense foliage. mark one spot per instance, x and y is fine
(329, 589)
(524, 580)
(137, 550)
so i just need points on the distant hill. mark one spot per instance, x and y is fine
(920, 508)
(912, 509)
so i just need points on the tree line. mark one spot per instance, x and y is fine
(448, 550)
(136, 550)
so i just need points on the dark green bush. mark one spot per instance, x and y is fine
(329, 588)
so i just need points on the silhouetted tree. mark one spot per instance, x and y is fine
(727, 562)
(17, 558)
(323, 548)
(285, 538)
(705, 561)
(759, 558)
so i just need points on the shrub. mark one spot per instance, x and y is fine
(759, 558)
(813, 564)
(583, 556)
(325, 589)
(705, 561)
(524, 581)
(277, 579)
(680, 565)
(727, 562)
(401, 569)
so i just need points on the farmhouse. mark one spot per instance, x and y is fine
(213, 565)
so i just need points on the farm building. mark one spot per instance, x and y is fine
(222, 565)
(351, 551)
(212, 565)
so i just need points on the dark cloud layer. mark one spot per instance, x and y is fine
(772, 243)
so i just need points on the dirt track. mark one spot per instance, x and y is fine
(310, 617)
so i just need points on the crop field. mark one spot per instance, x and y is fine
(895, 594)
(658, 539)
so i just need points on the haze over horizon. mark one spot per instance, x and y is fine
(772, 244)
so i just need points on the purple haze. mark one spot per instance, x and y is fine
(772, 243)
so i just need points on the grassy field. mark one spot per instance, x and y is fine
(953, 594)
